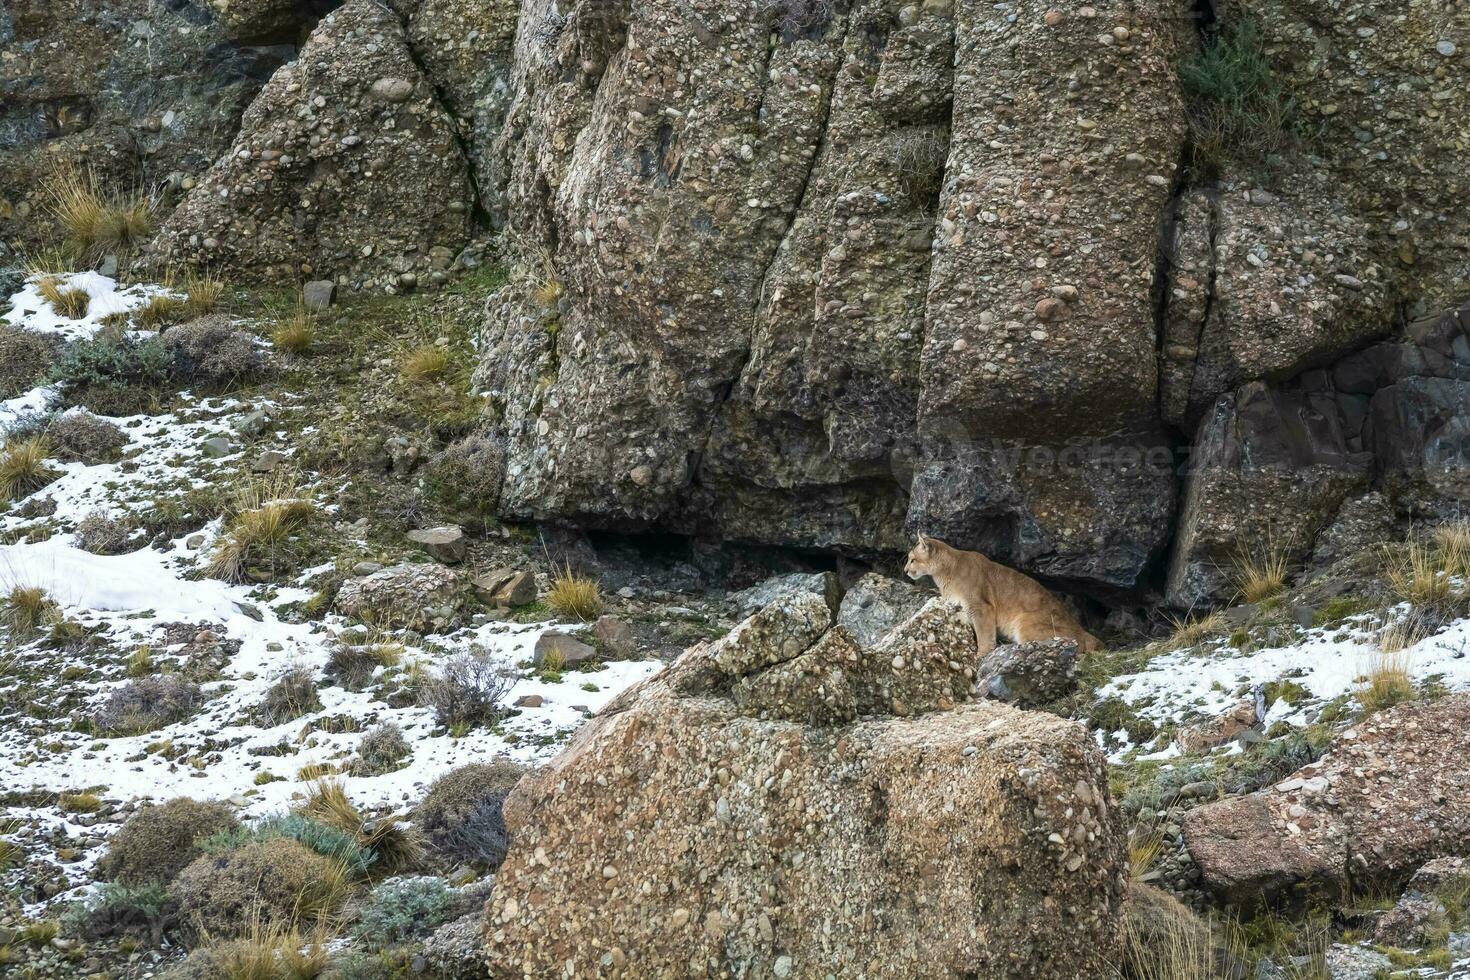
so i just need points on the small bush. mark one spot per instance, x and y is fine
(147, 704)
(426, 363)
(296, 333)
(1424, 575)
(1237, 108)
(405, 909)
(320, 838)
(25, 357)
(159, 840)
(381, 750)
(467, 475)
(78, 803)
(211, 351)
(111, 362)
(28, 608)
(461, 814)
(1187, 631)
(291, 696)
(23, 468)
(275, 883)
(104, 535)
(83, 437)
(469, 689)
(123, 910)
(575, 596)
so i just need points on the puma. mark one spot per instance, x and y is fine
(996, 598)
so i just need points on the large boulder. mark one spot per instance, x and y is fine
(142, 94)
(345, 165)
(1270, 468)
(766, 240)
(681, 833)
(1390, 794)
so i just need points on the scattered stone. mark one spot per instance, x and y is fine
(445, 544)
(505, 587)
(571, 651)
(268, 461)
(413, 595)
(217, 446)
(529, 701)
(615, 637)
(319, 294)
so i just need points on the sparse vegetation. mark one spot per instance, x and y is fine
(160, 310)
(398, 911)
(426, 363)
(159, 840)
(461, 814)
(25, 357)
(23, 468)
(78, 803)
(264, 516)
(575, 596)
(1189, 630)
(394, 845)
(381, 750)
(91, 221)
(205, 292)
(1387, 683)
(1237, 108)
(469, 690)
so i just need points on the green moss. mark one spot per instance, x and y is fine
(1332, 613)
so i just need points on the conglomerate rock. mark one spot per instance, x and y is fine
(681, 834)
(1390, 794)
(345, 165)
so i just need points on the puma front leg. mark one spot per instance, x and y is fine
(982, 617)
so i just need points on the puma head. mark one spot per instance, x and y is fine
(920, 556)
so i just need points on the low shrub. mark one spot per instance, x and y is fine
(394, 845)
(159, 840)
(381, 750)
(146, 911)
(1237, 108)
(28, 608)
(100, 371)
(292, 695)
(320, 838)
(466, 476)
(469, 690)
(274, 883)
(83, 437)
(210, 351)
(101, 534)
(147, 704)
(353, 665)
(461, 814)
(574, 596)
(25, 357)
(404, 909)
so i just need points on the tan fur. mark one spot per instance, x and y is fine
(996, 598)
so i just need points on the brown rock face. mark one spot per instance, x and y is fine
(1391, 794)
(345, 164)
(681, 835)
(784, 234)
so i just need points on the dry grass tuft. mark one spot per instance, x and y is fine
(23, 468)
(205, 292)
(1144, 849)
(1259, 575)
(1388, 682)
(91, 221)
(270, 954)
(1405, 631)
(265, 515)
(426, 363)
(28, 608)
(70, 302)
(575, 596)
(395, 844)
(1189, 630)
(161, 310)
(296, 333)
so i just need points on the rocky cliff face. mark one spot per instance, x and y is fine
(1067, 285)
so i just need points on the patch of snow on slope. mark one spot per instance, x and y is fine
(29, 310)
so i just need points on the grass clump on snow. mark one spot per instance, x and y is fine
(28, 608)
(1387, 683)
(71, 302)
(1259, 574)
(23, 468)
(292, 695)
(264, 517)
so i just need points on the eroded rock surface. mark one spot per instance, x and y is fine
(1391, 794)
(345, 165)
(689, 830)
